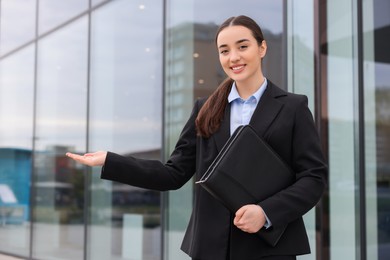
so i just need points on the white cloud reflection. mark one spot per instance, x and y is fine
(125, 73)
(268, 13)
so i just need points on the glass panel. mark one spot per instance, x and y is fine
(60, 127)
(96, 2)
(370, 132)
(301, 48)
(300, 15)
(16, 120)
(13, 30)
(125, 114)
(179, 96)
(52, 13)
(193, 70)
(377, 126)
(341, 129)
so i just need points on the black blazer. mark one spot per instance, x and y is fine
(285, 122)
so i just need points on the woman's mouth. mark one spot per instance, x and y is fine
(237, 68)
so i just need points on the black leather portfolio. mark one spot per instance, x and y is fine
(247, 171)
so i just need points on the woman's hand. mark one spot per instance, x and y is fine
(250, 218)
(90, 159)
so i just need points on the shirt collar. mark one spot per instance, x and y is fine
(233, 95)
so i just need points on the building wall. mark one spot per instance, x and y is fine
(122, 76)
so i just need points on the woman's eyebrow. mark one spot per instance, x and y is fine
(237, 42)
(241, 41)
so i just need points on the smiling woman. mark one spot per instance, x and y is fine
(191, 28)
(241, 59)
(123, 75)
(281, 118)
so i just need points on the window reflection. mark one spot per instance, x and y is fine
(13, 30)
(125, 117)
(54, 12)
(96, 2)
(60, 127)
(343, 189)
(16, 121)
(268, 14)
(381, 32)
(300, 49)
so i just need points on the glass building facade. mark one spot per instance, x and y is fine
(122, 75)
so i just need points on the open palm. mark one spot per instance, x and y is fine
(90, 159)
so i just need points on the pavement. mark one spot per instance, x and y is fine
(5, 257)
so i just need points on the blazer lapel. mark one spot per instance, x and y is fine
(263, 116)
(267, 109)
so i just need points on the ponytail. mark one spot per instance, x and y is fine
(212, 112)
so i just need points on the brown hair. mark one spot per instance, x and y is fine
(211, 114)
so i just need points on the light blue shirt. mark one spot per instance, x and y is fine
(241, 112)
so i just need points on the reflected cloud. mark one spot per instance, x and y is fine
(53, 12)
(268, 13)
(13, 30)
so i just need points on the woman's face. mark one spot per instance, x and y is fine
(240, 55)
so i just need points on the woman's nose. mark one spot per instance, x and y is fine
(234, 56)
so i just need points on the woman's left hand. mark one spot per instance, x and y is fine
(250, 218)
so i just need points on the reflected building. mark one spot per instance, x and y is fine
(15, 179)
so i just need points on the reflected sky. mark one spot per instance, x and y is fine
(13, 30)
(269, 13)
(126, 69)
(126, 65)
(382, 75)
(61, 87)
(382, 10)
(126, 79)
(54, 12)
(16, 109)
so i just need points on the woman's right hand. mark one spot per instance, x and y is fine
(90, 159)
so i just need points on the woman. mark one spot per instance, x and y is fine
(281, 118)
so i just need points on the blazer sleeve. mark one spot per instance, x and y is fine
(310, 168)
(153, 174)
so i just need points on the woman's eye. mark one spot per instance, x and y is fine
(243, 47)
(224, 52)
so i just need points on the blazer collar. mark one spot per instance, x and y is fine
(268, 108)
(266, 111)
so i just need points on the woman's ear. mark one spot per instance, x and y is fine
(263, 49)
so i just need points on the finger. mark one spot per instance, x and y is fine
(240, 212)
(239, 215)
(73, 156)
(237, 219)
(77, 158)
